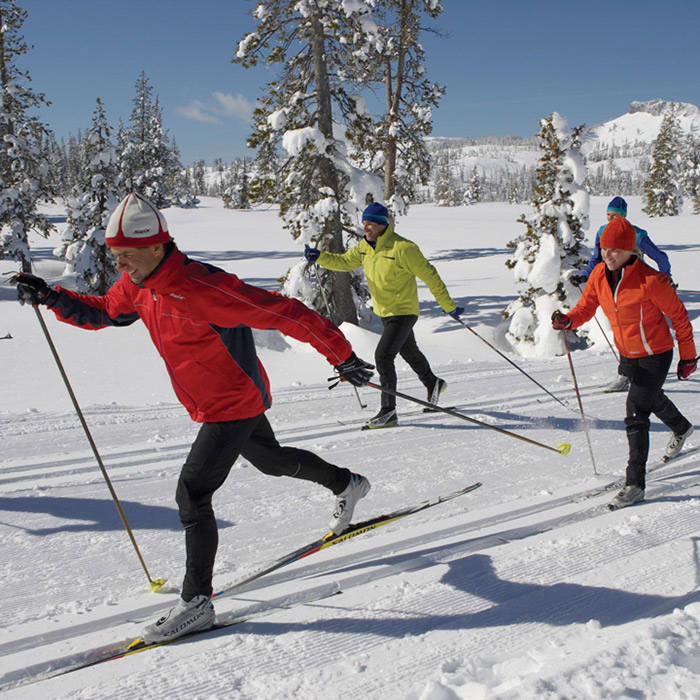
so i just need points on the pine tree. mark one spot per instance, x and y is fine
(319, 191)
(393, 145)
(178, 183)
(199, 182)
(236, 190)
(662, 192)
(474, 191)
(74, 159)
(150, 162)
(24, 177)
(53, 155)
(447, 186)
(691, 170)
(93, 198)
(550, 248)
(448, 190)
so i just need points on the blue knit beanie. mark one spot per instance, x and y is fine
(377, 213)
(618, 205)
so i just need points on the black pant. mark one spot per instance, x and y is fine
(646, 396)
(396, 339)
(215, 449)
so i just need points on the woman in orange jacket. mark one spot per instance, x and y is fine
(637, 299)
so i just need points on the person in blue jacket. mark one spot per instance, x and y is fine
(617, 209)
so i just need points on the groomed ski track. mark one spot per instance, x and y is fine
(490, 588)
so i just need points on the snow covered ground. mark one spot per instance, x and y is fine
(517, 590)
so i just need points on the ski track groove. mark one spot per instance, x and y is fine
(426, 618)
(588, 509)
(498, 640)
(427, 611)
(584, 563)
(256, 641)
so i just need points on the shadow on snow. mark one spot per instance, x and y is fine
(509, 603)
(94, 515)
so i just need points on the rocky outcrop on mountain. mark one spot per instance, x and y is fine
(659, 108)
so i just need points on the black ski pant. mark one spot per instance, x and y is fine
(398, 339)
(646, 396)
(215, 449)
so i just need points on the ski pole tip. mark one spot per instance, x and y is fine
(157, 584)
(564, 448)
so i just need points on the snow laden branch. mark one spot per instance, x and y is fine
(24, 177)
(550, 249)
(393, 144)
(89, 205)
(300, 129)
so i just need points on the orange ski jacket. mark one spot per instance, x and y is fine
(637, 311)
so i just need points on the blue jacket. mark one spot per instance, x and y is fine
(644, 244)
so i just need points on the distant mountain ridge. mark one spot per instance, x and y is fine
(634, 132)
(618, 146)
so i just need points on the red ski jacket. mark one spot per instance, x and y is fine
(200, 319)
(637, 310)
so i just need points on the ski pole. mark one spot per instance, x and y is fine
(159, 582)
(580, 405)
(334, 318)
(562, 448)
(607, 340)
(507, 359)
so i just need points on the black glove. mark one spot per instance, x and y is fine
(31, 289)
(578, 280)
(311, 254)
(354, 370)
(560, 321)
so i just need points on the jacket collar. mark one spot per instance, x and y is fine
(385, 240)
(167, 274)
(614, 277)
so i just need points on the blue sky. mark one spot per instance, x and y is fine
(505, 63)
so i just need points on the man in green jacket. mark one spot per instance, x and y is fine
(391, 264)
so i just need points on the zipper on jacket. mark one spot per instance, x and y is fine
(617, 313)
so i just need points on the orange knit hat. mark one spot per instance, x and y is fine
(619, 234)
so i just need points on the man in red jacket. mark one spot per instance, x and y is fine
(200, 320)
(637, 301)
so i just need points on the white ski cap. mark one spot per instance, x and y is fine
(136, 223)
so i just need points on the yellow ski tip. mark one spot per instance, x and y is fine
(564, 448)
(157, 584)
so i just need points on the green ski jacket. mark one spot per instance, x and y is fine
(391, 270)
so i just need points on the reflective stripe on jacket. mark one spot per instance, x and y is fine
(391, 270)
(200, 319)
(637, 310)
